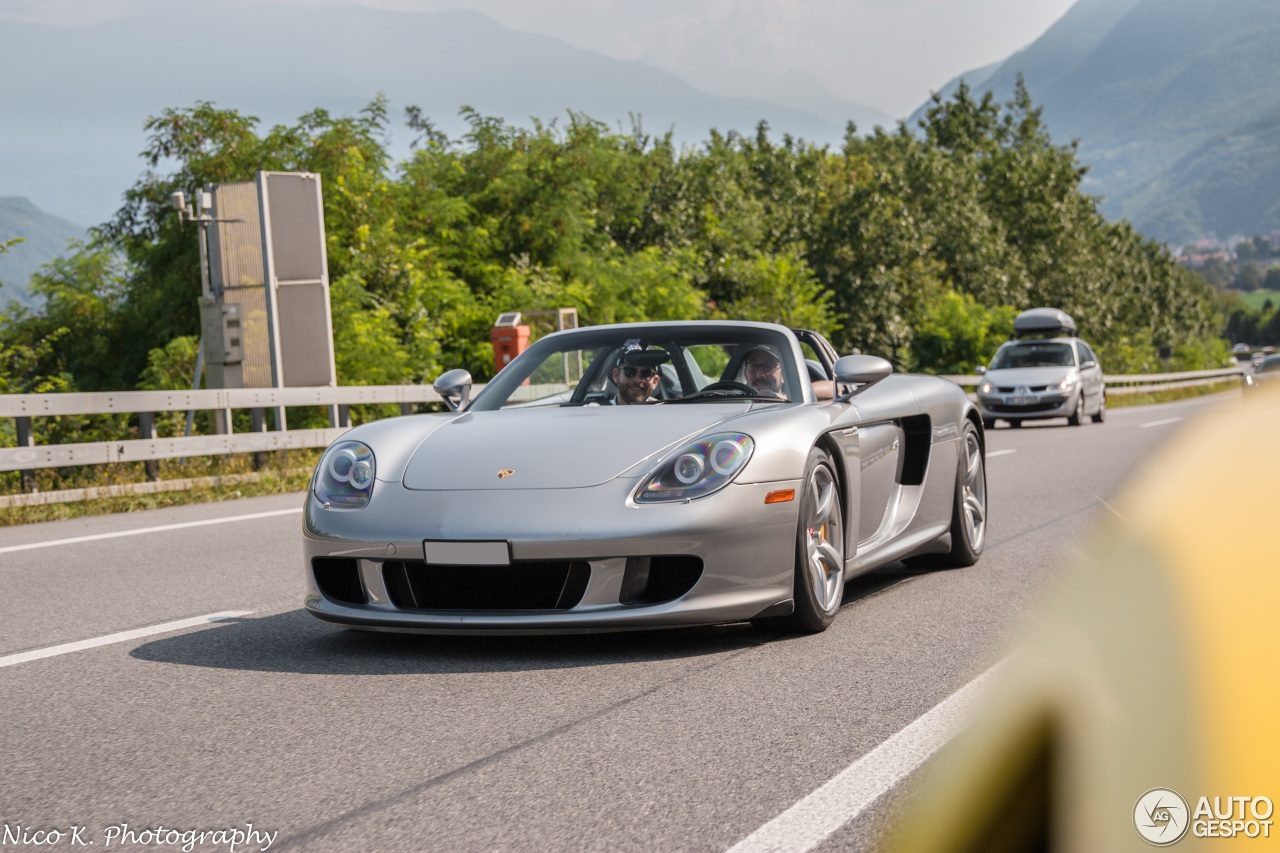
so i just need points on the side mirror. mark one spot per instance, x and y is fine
(861, 371)
(454, 383)
(980, 370)
(1088, 364)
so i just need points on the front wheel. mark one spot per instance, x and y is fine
(969, 506)
(819, 573)
(1101, 415)
(1075, 417)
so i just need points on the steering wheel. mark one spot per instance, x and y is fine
(729, 385)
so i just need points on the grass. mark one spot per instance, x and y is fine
(1256, 299)
(1116, 399)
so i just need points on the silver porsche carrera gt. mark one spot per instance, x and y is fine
(644, 475)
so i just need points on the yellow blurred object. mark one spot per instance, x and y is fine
(1151, 673)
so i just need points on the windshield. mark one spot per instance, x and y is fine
(1033, 354)
(648, 364)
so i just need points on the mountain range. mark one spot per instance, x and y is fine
(1174, 104)
(80, 96)
(43, 237)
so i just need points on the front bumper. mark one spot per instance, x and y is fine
(1056, 404)
(592, 543)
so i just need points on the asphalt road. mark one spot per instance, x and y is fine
(696, 739)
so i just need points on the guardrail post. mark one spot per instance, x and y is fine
(344, 415)
(258, 423)
(25, 439)
(147, 432)
(222, 422)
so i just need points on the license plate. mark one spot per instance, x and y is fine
(443, 553)
(1021, 401)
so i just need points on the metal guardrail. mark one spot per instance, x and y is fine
(1141, 382)
(148, 447)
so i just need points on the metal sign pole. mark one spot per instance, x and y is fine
(272, 294)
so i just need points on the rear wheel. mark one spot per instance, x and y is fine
(1015, 424)
(819, 573)
(969, 507)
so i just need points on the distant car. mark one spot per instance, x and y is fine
(544, 506)
(1045, 372)
(1266, 371)
(1242, 352)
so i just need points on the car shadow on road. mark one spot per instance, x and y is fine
(296, 642)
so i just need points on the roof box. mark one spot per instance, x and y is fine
(1043, 323)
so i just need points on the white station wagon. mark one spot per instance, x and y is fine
(1044, 372)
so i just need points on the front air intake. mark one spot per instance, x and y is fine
(339, 579)
(653, 580)
(524, 585)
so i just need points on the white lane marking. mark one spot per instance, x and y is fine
(160, 529)
(121, 637)
(1159, 423)
(994, 453)
(811, 820)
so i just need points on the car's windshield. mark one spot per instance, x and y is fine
(648, 364)
(1033, 354)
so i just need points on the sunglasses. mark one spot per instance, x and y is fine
(642, 372)
(764, 365)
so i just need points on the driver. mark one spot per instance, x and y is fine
(636, 373)
(762, 370)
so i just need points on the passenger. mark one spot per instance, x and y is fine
(762, 370)
(636, 373)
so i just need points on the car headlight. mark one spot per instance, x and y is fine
(986, 388)
(697, 469)
(1067, 384)
(344, 477)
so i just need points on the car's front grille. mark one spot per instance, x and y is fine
(531, 585)
(1013, 389)
(1042, 406)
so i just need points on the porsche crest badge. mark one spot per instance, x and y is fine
(505, 473)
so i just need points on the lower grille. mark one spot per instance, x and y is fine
(551, 585)
(1044, 406)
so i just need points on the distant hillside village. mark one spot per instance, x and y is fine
(1238, 263)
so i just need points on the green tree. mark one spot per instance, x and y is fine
(957, 334)
(917, 244)
(1248, 278)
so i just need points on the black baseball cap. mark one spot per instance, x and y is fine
(763, 351)
(638, 354)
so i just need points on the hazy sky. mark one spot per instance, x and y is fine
(888, 54)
